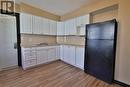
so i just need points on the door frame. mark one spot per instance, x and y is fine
(17, 16)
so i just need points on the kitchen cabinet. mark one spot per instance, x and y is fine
(66, 53)
(80, 57)
(61, 52)
(66, 28)
(25, 23)
(60, 28)
(51, 54)
(37, 25)
(46, 26)
(72, 27)
(39, 55)
(76, 26)
(73, 55)
(53, 27)
(28, 57)
(42, 55)
(81, 24)
(57, 52)
(69, 54)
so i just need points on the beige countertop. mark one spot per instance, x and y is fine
(30, 46)
(74, 45)
(38, 45)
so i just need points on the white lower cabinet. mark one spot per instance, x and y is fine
(42, 56)
(80, 57)
(69, 54)
(28, 57)
(61, 52)
(39, 55)
(51, 54)
(73, 55)
(58, 52)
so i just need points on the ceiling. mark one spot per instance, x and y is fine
(58, 7)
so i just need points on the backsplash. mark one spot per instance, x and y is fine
(28, 39)
(75, 40)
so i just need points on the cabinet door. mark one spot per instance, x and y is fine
(51, 54)
(72, 27)
(66, 28)
(69, 54)
(80, 57)
(28, 54)
(37, 25)
(46, 26)
(61, 52)
(53, 27)
(42, 56)
(26, 23)
(58, 52)
(65, 54)
(60, 28)
(81, 23)
(86, 19)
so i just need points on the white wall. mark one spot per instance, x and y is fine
(123, 46)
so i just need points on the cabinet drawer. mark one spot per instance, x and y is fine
(30, 63)
(30, 58)
(30, 54)
(33, 62)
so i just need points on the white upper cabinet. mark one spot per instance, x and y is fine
(76, 26)
(81, 24)
(60, 28)
(37, 25)
(46, 26)
(26, 23)
(53, 27)
(66, 27)
(72, 27)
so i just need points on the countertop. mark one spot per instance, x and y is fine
(48, 45)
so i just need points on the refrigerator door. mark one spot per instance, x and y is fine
(100, 50)
(101, 31)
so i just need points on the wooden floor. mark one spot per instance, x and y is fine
(56, 74)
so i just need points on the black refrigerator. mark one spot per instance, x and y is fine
(100, 50)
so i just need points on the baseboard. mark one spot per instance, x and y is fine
(121, 83)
